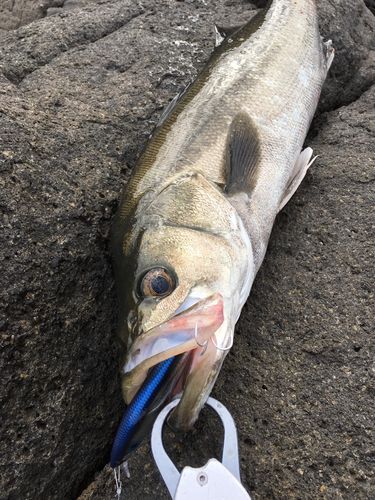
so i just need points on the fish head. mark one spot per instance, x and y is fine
(184, 270)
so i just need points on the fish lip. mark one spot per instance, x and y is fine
(207, 316)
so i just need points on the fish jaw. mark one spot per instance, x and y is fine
(204, 370)
(176, 336)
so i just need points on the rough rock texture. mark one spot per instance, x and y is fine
(61, 6)
(16, 13)
(79, 94)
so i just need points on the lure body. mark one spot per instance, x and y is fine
(124, 442)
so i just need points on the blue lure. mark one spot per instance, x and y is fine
(124, 442)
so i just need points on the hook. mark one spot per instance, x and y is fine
(222, 348)
(206, 343)
(197, 341)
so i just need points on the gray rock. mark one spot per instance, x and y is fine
(16, 13)
(61, 6)
(349, 25)
(79, 95)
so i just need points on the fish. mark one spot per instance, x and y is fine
(193, 225)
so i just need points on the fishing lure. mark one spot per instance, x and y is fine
(143, 410)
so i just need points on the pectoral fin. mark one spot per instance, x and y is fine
(298, 173)
(243, 155)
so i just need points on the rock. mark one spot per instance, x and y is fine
(349, 25)
(61, 6)
(79, 95)
(16, 13)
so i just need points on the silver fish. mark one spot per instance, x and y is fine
(194, 222)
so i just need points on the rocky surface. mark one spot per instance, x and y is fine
(80, 92)
(16, 13)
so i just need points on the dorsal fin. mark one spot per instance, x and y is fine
(168, 109)
(223, 33)
(243, 154)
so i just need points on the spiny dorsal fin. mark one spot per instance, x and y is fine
(243, 154)
(168, 109)
(223, 33)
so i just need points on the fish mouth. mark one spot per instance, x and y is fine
(187, 332)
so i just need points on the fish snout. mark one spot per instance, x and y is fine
(184, 332)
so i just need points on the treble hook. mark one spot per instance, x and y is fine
(222, 348)
(197, 341)
(206, 343)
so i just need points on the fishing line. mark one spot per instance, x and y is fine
(118, 481)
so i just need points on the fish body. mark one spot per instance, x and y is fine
(193, 225)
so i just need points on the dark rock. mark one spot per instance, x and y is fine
(16, 13)
(79, 95)
(350, 26)
(61, 6)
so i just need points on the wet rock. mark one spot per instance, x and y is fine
(79, 94)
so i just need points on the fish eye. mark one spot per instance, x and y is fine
(157, 282)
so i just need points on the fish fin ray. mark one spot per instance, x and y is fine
(329, 53)
(243, 155)
(167, 110)
(298, 173)
(223, 33)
